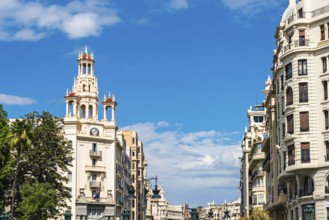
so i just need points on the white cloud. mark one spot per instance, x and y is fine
(250, 7)
(15, 100)
(187, 162)
(32, 20)
(178, 4)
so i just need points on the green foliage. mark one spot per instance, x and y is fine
(41, 155)
(259, 214)
(39, 201)
(6, 159)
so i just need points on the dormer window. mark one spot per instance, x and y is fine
(258, 119)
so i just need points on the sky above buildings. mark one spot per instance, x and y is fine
(184, 73)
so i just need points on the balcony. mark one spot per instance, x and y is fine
(320, 11)
(283, 198)
(257, 173)
(94, 184)
(95, 154)
(302, 193)
(266, 162)
(302, 43)
(297, 16)
(291, 162)
(97, 169)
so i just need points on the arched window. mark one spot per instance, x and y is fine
(83, 111)
(90, 116)
(289, 96)
(308, 186)
(70, 110)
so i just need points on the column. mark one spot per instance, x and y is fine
(113, 113)
(105, 115)
(87, 111)
(67, 109)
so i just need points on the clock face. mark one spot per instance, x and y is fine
(94, 131)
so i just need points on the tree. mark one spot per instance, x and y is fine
(259, 214)
(38, 201)
(54, 155)
(42, 155)
(20, 142)
(6, 160)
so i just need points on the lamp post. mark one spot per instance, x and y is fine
(309, 212)
(67, 215)
(126, 215)
(210, 214)
(4, 216)
(194, 214)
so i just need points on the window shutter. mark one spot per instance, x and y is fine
(305, 146)
(304, 121)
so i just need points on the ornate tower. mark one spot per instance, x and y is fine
(82, 101)
(96, 176)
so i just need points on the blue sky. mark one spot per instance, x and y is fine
(184, 72)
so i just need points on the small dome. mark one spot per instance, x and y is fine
(287, 13)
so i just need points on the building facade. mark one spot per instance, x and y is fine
(296, 146)
(100, 172)
(252, 179)
(301, 77)
(138, 174)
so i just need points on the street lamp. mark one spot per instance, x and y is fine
(156, 191)
(4, 216)
(309, 212)
(125, 215)
(210, 214)
(67, 215)
(194, 214)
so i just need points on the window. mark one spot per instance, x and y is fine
(94, 147)
(327, 150)
(324, 64)
(308, 186)
(69, 176)
(326, 121)
(289, 96)
(254, 199)
(300, 13)
(302, 38)
(296, 211)
(288, 70)
(283, 130)
(302, 67)
(304, 121)
(282, 85)
(94, 162)
(282, 105)
(290, 124)
(284, 160)
(307, 206)
(258, 119)
(305, 152)
(291, 155)
(325, 90)
(322, 35)
(303, 92)
(261, 199)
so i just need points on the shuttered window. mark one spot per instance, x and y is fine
(304, 121)
(303, 92)
(305, 152)
(290, 124)
(289, 96)
(291, 155)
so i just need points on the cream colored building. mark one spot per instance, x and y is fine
(100, 172)
(231, 211)
(161, 209)
(138, 174)
(252, 179)
(300, 79)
